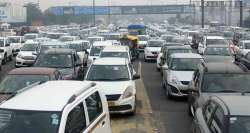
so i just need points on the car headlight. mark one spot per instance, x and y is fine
(128, 92)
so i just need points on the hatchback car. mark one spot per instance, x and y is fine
(177, 76)
(65, 60)
(56, 107)
(116, 77)
(223, 114)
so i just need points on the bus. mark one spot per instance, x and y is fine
(136, 29)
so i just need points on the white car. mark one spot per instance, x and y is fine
(211, 40)
(142, 41)
(16, 42)
(30, 36)
(116, 51)
(6, 55)
(80, 108)
(179, 73)
(96, 49)
(152, 49)
(69, 38)
(116, 77)
(94, 39)
(28, 54)
(244, 46)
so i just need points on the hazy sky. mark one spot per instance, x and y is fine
(44, 4)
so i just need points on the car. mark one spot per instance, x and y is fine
(96, 49)
(223, 114)
(53, 44)
(30, 36)
(81, 47)
(163, 49)
(117, 51)
(42, 40)
(244, 59)
(244, 46)
(171, 50)
(116, 77)
(93, 39)
(28, 54)
(5, 46)
(56, 107)
(20, 78)
(217, 53)
(217, 78)
(65, 60)
(178, 74)
(16, 43)
(152, 49)
(69, 38)
(211, 40)
(142, 42)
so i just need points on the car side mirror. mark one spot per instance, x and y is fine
(164, 67)
(136, 76)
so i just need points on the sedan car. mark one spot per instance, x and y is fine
(65, 60)
(217, 53)
(223, 114)
(19, 78)
(152, 49)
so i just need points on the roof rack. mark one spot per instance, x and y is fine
(74, 96)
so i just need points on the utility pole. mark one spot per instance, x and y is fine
(241, 13)
(93, 12)
(109, 15)
(202, 13)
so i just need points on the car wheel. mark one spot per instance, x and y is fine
(5, 59)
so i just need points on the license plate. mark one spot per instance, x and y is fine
(111, 103)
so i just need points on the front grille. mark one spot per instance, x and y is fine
(113, 97)
(29, 58)
(185, 82)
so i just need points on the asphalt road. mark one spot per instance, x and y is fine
(171, 115)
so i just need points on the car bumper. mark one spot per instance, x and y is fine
(178, 90)
(122, 106)
(23, 63)
(151, 56)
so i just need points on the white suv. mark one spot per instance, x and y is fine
(79, 108)
(6, 55)
(152, 49)
(116, 77)
(178, 74)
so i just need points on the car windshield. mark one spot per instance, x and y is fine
(46, 47)
(13, 83)
(31, 37)
(216, 42)
(239, 124)
(167, 38)
(223, 51)
(114, 54)
(66, 39)
(14, 40)
(247, 45)
(108, 73)
(142, 38)
(54, 61)
(155, 43)
(96, 50)
(22, 121)
(54, 36)
(226, 83)
(76, 47)
(184, 64)
(29, 47)
(178, 40)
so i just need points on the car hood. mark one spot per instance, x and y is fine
(114, 87)
(183, 75)
(155, 49)
(214, 58)
(27, 53)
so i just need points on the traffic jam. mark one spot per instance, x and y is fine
(74, 79)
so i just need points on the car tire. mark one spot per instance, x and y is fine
(5, 59)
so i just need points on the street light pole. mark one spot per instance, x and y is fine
(202, 13)
(93, 12)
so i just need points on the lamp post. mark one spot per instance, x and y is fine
(93, 12)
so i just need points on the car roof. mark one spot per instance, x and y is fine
(110, 61)
(237, 105)
(115, 49)
(223, 67)
(49, 96)
(32, 71)
(58, 51)
(186, 55)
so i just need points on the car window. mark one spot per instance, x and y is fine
(94, 106)
(208, 110)
(217, 121)
(76, 121)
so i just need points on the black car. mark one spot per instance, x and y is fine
(65, 60)
(243, 59)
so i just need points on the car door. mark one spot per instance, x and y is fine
(196, 83)
(217, 121)
(76, 120)
(98, 117)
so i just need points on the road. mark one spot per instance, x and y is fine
(155, 113)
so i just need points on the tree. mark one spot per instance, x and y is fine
(33, 13)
